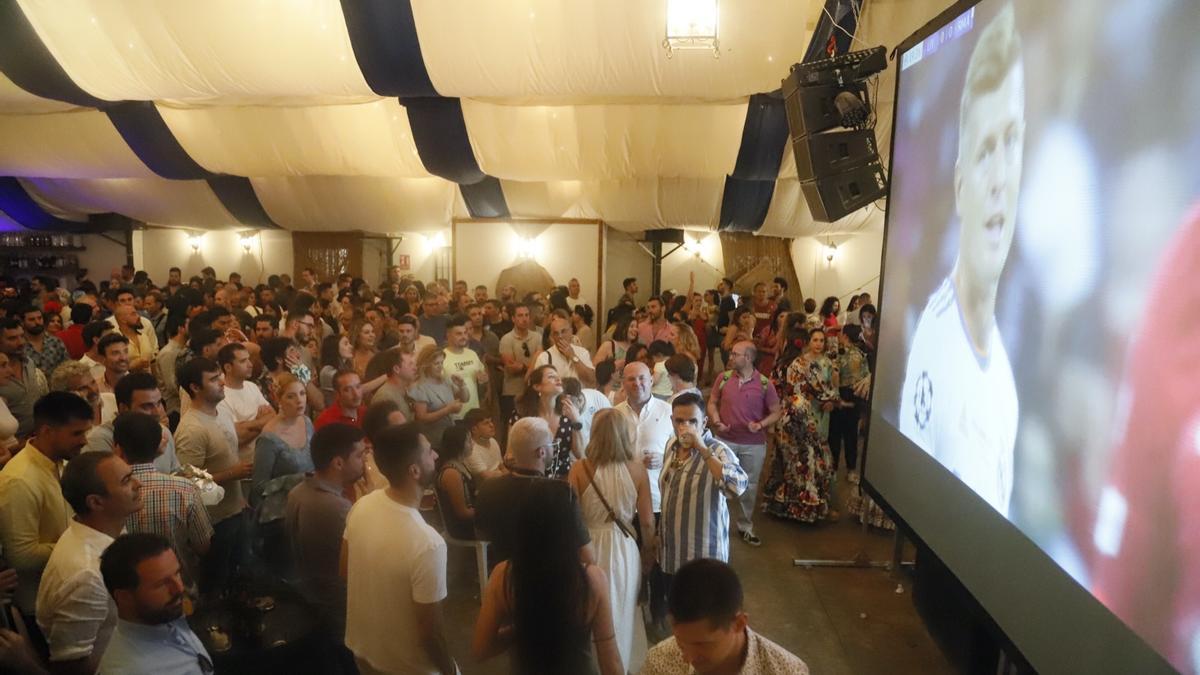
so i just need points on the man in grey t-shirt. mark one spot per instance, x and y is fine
(207, 440)
(517, 350)
(401, 369)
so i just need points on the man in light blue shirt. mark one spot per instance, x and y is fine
(142, 574)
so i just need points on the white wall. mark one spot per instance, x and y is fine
(854, 269)
(623, 258)
(162, 249)
(418, 247)
(103, 255)
(702, 255)
(482, 250)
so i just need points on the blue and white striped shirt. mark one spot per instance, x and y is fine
(695, 517)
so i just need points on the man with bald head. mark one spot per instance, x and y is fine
(654, 432)
(742, 404)
(499, 500)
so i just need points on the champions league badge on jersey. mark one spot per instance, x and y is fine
(923, 400)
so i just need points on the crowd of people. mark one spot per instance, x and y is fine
(164, 445)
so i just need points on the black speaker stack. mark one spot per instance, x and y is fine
(833, 140)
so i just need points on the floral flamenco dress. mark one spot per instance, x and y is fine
(802, 467)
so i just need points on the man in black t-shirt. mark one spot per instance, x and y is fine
(499, 500)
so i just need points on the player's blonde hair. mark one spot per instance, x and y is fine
(612, 438)
(996, 54)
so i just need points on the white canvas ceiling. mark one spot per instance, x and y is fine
(573, 105)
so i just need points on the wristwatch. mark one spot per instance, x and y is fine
(577, 426)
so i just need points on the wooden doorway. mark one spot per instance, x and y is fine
(329, 253)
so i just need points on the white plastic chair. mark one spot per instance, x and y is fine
(480, 546)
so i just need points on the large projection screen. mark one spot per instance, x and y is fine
(1036, 405)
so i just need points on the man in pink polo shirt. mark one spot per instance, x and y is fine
(741, 405)
(656, 326)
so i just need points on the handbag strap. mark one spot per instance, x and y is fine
(587, 465)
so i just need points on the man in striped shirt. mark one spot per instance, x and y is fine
(698, 473)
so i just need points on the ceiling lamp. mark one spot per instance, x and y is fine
(692, 24)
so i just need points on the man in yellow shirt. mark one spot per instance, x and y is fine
(33, 512)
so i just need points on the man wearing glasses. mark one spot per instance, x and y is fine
(152, 637)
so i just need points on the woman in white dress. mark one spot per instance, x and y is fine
(614, 487)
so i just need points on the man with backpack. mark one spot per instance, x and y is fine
(741, 406)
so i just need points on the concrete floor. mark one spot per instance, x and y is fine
(840, 621)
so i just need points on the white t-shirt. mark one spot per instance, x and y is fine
(594, 402)
(564, 367)
(74, 611)
(484, 456)
(465, 365)
(394, 561)
(654, 430)
(242, 405)
(958, 406)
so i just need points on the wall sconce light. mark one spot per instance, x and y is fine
(438, 241)
(526, 248)
(247, 241)
(830, 252)
(194, 240)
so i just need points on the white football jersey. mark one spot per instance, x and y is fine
(960, 407)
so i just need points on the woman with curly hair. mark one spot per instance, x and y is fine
(801, 479)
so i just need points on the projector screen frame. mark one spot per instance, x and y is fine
(1055, 624)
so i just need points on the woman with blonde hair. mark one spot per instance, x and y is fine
(613, 485)
(363, 338)
(686, 342)
(436, 399)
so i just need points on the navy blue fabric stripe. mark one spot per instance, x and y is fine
(748, 190)
(384, 37)
(440, 133)
(485, 199)
(148, 135)
(18, 205)
(26, 61)
(764, 136)
(744, 204)
(237, 196)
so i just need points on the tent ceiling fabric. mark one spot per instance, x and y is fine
(573, 51)
(227, 51)
(173, 203)
(364, 139)
(82, 143)
(569, 109)
(357, 202)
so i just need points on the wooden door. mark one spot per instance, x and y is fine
(329, 253)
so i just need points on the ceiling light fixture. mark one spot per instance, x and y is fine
(692, 25)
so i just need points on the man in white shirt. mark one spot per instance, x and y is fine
(484, 461)
(244, 401)
(959, 400)
(74, 610)
(464, 362)
(654, 431)
(573, 298)
(568, 358)
(394, 564)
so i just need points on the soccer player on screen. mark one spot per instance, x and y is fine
(959, 401)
